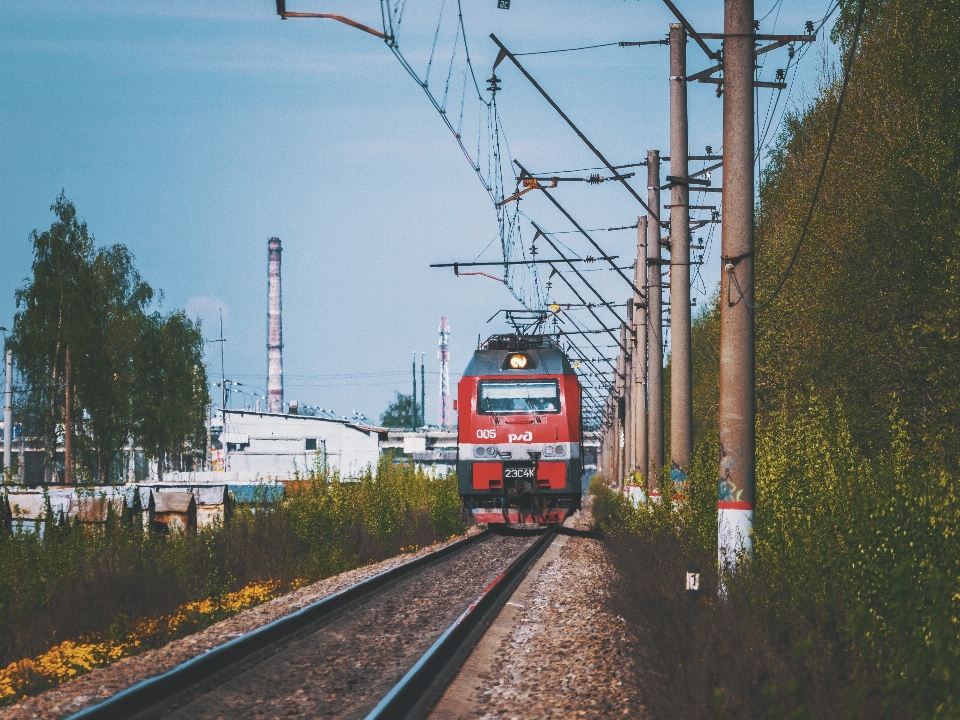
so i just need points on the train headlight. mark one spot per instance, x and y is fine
(479, 451)
(517, 361)
(547, 450)
(559, 451)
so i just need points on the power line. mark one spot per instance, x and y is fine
(823, 167)
(585, 47)
(602, 45)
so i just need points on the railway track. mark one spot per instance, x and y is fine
(384, 648)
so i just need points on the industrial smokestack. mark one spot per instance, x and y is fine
(446, 418)
(274, 329)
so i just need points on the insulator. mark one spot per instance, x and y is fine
(809, 27)
(595, 179)
(493, 80)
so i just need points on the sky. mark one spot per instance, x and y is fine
(192, 132)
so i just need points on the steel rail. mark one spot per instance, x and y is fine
(152, 691)
(434, 671)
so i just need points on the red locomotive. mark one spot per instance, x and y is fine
(519, 444)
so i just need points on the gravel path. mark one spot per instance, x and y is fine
(87, 689)
(344, 668)
(555, 650)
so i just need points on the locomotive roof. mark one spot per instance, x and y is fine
(547, 357)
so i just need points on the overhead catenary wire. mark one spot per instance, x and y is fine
(622, 43)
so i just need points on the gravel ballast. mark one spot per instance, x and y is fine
(555, 650)
(343, 669)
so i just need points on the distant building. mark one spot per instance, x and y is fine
(278, 445)
(435, 450)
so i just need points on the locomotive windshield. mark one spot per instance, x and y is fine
(518, 397)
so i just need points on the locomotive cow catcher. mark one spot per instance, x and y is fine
(519, 434)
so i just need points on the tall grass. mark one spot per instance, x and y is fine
(851, 604)
(79, 580)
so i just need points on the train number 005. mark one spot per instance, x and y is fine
(487, 434)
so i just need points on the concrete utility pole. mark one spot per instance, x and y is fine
(8, 417)
(602, 449)
(654, 330)
(618, 408)
(68, 422)
(681, 371)
(639, 365)
(628, 395)
(737, 406)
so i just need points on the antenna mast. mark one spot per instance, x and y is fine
(444, 356)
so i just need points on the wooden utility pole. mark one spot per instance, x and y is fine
(654, 330)
(68, 422)
(681, 371)
(639, 365)
(8, 418)
(737, 412)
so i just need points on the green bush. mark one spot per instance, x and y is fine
(867, 545)
(856, 564)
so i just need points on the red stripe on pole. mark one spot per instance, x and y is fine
(728, 505)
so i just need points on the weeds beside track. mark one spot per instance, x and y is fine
(99, 583)
(850, 607)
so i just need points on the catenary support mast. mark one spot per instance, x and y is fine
(681, 373)
(654, 330)
(628, 355)
(639, 365)
(737, 418)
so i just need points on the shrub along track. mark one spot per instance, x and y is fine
(342, 665)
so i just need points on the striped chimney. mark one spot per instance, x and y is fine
(274, 329)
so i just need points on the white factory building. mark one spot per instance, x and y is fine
(279, 445)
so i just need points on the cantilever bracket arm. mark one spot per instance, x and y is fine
(456, 271)
(282, 12)
(693, 33)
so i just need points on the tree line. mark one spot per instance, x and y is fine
(136, 375)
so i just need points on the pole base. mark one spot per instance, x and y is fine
(734, 532)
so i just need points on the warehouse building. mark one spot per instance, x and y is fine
(280, 445)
